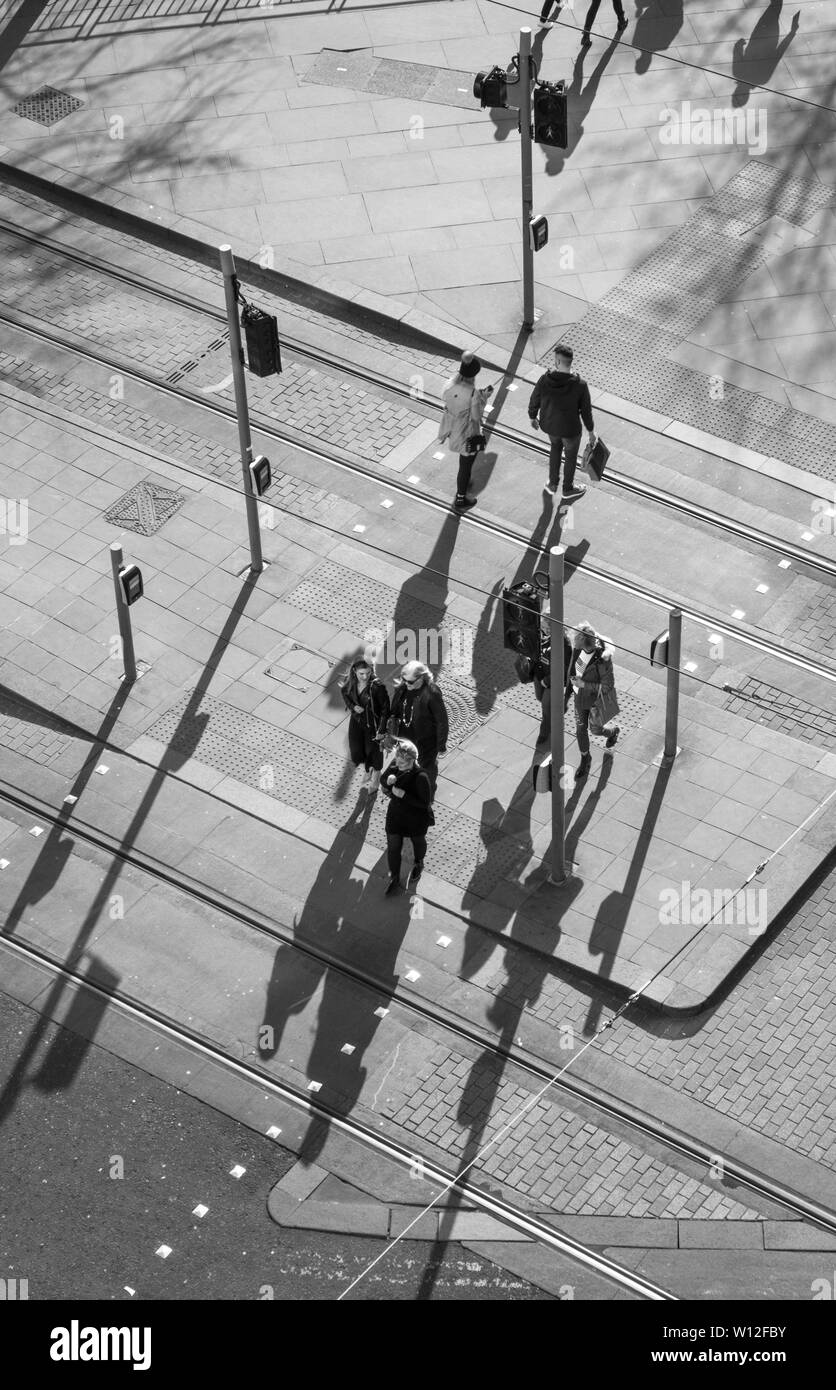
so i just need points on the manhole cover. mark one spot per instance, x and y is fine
(302, 668)
(144, 509)
(47, 106)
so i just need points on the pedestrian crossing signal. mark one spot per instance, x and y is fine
(261, 332)
(521, 607)
(551, 114)
(260, 475)
(538, 230)
(491, 88)
(130, 578)
(659, 649)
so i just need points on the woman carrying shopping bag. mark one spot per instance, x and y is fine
(367, 701)
(461, 423)
(592, 679)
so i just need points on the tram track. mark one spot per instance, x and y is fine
(748, 636)
(425, 1013)
(402, 394)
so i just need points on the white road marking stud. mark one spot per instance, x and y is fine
(4, 863)
(164, 1251)
(807, 536)
(200, 1210)
(714, 637)
(347, 1048)
(237, 1171)
(444, 941)
(129, 1290)
(738, 613)
(690, 665)
(314, 1085)
(513, 387)
(342, 69)
(359, 528)
(763, 588)
(70, 800)
(439, 455)
(784, 564)
(273, 1132)
(381, 1012)
(413, 975)
(413, 478)
(36, 830)
(387, 502)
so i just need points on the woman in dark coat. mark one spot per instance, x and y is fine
(420, 715)
(590, 675)
(367, 701)
(409, 813)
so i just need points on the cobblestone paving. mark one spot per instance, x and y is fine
(138, 427)
(766, 704)
(662, 301)
(550, 1154)
(34, 733)
(765, 1056)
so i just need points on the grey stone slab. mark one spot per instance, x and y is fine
(348, 1218)
(617, 1230)
(721, 1235)
(796, 1235)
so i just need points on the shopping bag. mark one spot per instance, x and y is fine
(606, 708)
(594, 460)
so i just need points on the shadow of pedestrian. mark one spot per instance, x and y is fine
(755, 60)
(611, 918)
(504, 121)
(420, 608)
(580, 101)
(338, 913)
(657, 25)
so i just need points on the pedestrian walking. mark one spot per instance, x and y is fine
(591, 676)
(367, 701)
(592, 13)
(544, 13)
(461, 423)
(420, 715)
(561, 400)
(409, 813)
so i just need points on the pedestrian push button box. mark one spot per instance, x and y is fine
(130, 580)
(659, 649)
(260, 475)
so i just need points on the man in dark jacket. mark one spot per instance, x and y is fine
(419, 714)
(408, 815)
(561, 399)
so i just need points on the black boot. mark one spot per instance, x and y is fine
(392, 887)
(417, 870)
(583, 770)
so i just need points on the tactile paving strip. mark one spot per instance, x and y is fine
(305, 776)
(47, 106)
(766, 704)
(625, 343)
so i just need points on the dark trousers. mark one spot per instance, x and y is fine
(430, 766)
(593, 10)
(547, 4)
(582, 716)
(362, 747)
(466, 462)
(394, 846)
(564, 448)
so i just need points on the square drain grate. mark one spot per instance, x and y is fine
(47, 106)
(144, 509)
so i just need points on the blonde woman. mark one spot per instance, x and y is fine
(461, 423)
(592, 679)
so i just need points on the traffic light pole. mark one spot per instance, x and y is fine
(241, 407)
(123, 615)
(527, 179)
(557, 677)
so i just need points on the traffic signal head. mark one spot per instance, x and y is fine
(491, 88)
(261, 332)
(551, 114)
(521, 606)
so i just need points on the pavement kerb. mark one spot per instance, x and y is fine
(349, 302)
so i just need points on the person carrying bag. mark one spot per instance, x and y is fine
(591, 677)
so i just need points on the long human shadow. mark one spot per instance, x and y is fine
(526, 971)
(755, 59)
(657, 25)
(580, 102)
(338, 902)
(181, 747)
(18, 27)
(416, 611)
(611, 917)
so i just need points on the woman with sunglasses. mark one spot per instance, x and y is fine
(420, 715)
(367, 701)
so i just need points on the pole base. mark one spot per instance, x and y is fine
(567, 876)
(141, 668)
(249, 571)
(664, 759)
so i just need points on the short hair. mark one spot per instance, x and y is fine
(563, 350)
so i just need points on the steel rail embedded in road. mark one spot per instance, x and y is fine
(672, 501)
(675, 1140)
(268, 427)
(497, 1207)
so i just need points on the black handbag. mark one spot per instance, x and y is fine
(475, 443)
